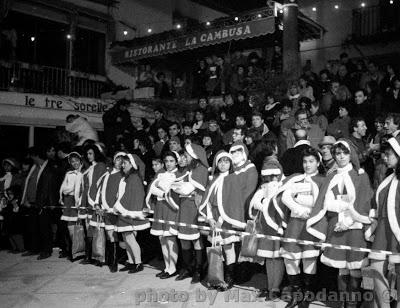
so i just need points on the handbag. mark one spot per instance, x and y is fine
(250, 241)
(78, 241)
(215, 261)
(99, 241)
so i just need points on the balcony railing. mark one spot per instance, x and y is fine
(23, 77)
(376, 23)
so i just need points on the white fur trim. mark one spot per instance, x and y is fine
(276, 171)
(345, 143)
(195, 183)
(132, 161)
(311, 253)
(268, 253)
(344, 264)
(191, 152)
(251, 165)
(395, 145)
(68, 218)
(188, 237)
(391, 207)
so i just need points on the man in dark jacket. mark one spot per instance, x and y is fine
(117, 122)
(47, 194)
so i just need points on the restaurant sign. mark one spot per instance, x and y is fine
(214, 36)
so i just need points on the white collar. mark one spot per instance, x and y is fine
(345, 169)
(311, 175)
(223, 174)
(301, 142)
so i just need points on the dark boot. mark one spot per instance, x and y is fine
(198, 267)
(308, 290)
(185, 271)
(88, 252)
(355, 294)
(113, 260)
(229, 275)
(343, 283)
(295, 294)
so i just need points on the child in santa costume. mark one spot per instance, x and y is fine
(299, 198)
(244, 185)
(340, 215)
(219, 211)
(191, 187)
(386, 203)
(105, 199)
(129, 207)
(69, 196)
(266, 210)
(91, 176)
(166, 208)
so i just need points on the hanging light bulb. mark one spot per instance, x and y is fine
(149, 30)
(178, 26)
(259, 15)
(391, 1)
(336, 7)
(208, 23)
(236, 18)
(363, 4)
(69, 36)
(32, 38)
(125, 32)
(314, 9)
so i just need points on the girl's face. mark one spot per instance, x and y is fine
(188, 142)
(310, 164)
(379, 126)
(199, 116)
(303, 82)
(75, 163)
(207, 141)
(224, 164)
(391, 159)
(156, 165)
(90, 155)
(170, 163)
(7, 167)
(182, 161)
(248, 140)
(240, 70)
(342, 158)
(343, 112)
(188, 158)
(293, 90)
(118, 163)
(126, 166)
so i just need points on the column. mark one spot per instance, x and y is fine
(291, 56)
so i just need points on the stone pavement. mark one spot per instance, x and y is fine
(26, 282)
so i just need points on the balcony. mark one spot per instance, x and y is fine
(376, 23)
(24, 77)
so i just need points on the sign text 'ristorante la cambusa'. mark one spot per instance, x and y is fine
(199, 39)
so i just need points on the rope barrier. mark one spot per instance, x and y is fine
(242, 233)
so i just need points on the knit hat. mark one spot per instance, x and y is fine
(327, 140)
(220, 154)
(118, 154)
(353, 153)
(394, 142)
(237, 146)
(272, 167)
(197, 152)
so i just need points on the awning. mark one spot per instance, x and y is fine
(216, 35)
(251, 25)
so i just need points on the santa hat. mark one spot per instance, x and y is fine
(272, 167)
(11, 161)
(118, 154)
(74, 154)
(220, 154)
(239, 145)
(138, 164)
(197, 152)
(395, 144)
(353, 153)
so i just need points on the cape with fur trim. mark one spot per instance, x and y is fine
(359, 210)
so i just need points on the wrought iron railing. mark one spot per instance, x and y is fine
(23, 77)
(376, 22)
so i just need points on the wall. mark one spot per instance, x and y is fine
(196, 11)
(338, 24)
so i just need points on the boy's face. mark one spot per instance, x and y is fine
(187, 130)
(156, 165)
